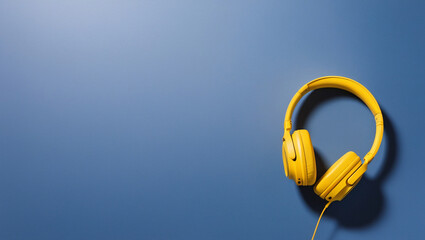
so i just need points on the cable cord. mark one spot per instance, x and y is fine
(318, 221)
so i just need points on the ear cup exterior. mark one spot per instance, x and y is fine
(290, 165)
(333, 186)
(310, 158)
(285, 159)
(300, 165)
(305, 160)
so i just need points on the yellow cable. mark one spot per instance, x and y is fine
(318, 221)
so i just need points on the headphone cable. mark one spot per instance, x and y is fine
(318, 221)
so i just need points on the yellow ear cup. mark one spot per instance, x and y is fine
(291, 165)
(310, 158)
(333, 186)
(305, 166)
(285, 159)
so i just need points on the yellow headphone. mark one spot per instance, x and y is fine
(297, 149)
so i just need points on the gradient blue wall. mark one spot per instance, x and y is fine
(163, 119)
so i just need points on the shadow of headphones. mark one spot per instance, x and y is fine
(298, 154)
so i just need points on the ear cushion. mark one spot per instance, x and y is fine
(305, 156)
(336, 173)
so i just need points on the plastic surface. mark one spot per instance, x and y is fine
(310, 159)
(344, 174)
(302, 169)
(348, 85)
(333, 181)
(305, 161)
(355, 177)
(289, 145)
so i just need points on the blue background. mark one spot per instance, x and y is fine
(163, 119)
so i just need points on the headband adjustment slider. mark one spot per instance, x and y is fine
(368, 158)
(379, 119)
(288, 125)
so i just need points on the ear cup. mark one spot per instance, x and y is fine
(285, 159)
(290, 165)
(305, 159)
(310, 158)
(332, 185)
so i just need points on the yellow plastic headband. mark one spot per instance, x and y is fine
(348, 85)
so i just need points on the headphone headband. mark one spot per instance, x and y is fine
(348, 85)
